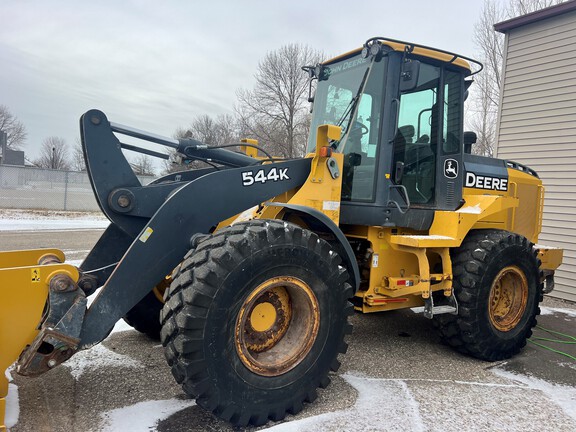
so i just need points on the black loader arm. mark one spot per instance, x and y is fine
(162, 218)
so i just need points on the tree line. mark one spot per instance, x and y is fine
(276, 111)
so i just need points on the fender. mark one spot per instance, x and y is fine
(321, 222)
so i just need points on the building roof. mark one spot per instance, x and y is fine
(539, 15)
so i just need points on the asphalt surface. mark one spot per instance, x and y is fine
(396, 375)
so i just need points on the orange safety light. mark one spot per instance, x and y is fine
(325, 151)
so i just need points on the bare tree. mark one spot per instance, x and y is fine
(523, 7)
(143, 165)
(53, 154)
(13, 127)
(219, 131)
(77, 160)
(483, 109)
(275, 111)
(483, 122)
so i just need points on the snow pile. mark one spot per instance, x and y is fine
(98, 357)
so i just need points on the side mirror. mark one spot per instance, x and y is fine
(469, 139)
(409, 75)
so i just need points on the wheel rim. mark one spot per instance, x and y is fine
(277, 326)
(508, 298)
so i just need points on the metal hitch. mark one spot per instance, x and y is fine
(58, 338)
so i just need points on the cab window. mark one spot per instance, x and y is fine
(416, 139)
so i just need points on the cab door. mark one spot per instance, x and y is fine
(427, 150)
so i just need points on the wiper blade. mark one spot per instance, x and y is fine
(351, 108)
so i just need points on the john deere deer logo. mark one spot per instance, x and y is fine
(451, 168)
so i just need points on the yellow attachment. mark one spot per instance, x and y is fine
(250, 151)
(23, 295)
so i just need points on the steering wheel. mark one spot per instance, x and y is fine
(358, 125)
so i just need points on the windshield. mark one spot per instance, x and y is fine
(349, 95)
(338, 95)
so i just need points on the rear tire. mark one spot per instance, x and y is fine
(498, 287)
(255, 320)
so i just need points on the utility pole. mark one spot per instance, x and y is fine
(3, 145)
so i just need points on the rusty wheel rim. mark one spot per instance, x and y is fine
(277, 326)
(508, 298)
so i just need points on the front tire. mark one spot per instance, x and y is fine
(498, 287)
(255, 320)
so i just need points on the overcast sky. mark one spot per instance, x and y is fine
(156, 64)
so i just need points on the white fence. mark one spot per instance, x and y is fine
(37, 188)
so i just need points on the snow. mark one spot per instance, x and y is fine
(143, 416)
(563, 396)
(470, 209)
(373, 395)
(428, 237)
(51, 224)
(552, 311)
(98, 357)
(31, 220)
(12, 406)
(539, 246)
(12, 402)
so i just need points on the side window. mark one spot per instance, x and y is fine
(416, 139)
(452, 99)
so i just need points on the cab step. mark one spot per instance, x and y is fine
(429, 309)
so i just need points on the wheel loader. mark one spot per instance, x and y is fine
(248, 269)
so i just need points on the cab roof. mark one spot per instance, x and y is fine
(420, 50)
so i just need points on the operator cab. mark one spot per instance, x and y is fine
(400, 107)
